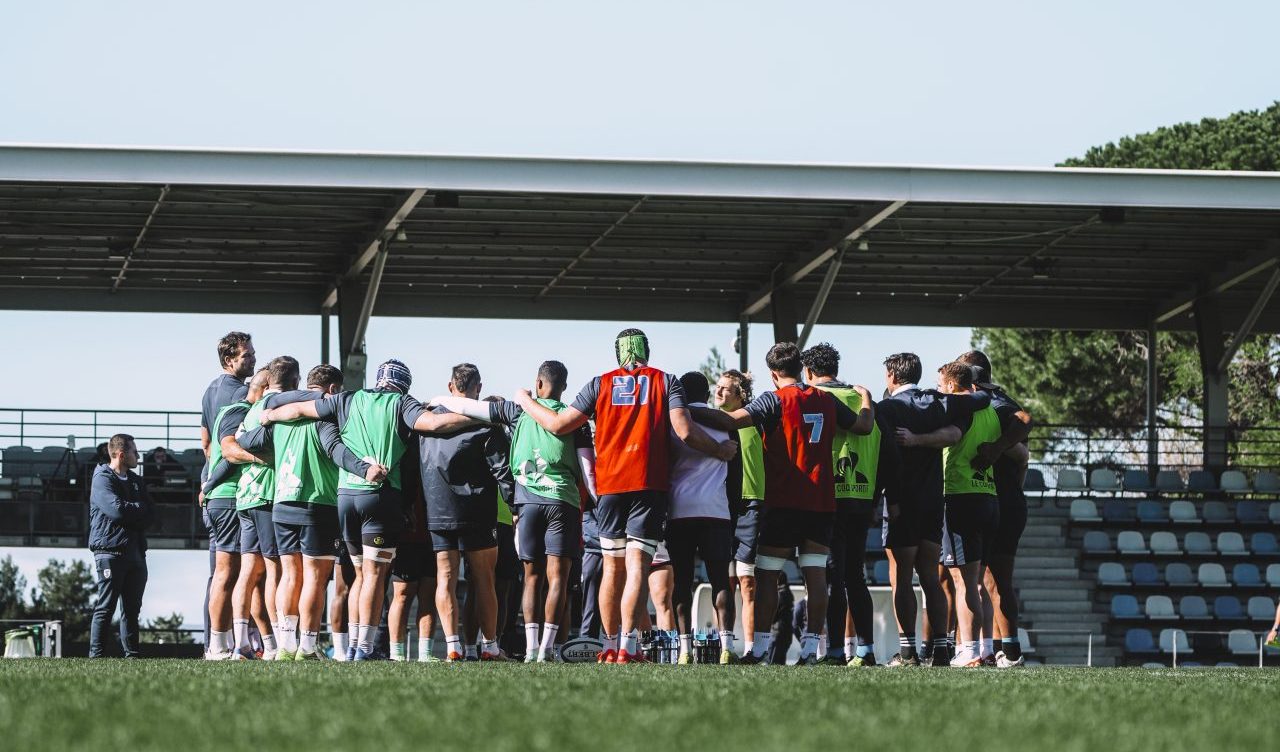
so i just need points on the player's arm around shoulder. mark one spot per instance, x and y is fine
(560, 423)
(691, 434)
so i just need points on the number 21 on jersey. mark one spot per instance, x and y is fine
(631, 390)
(815, 421)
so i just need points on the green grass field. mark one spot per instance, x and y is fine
(193, 705)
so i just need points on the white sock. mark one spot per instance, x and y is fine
(488, 647)
(453, 644)
(610, 643)
(424, 648)
(241, 628)
(808, 645)
(971, 648)
(362, 637)
(760, 645)
(397, 651)
(219, 642)
(353, 633)
(631, 641)
(268, 643)
(726, 640)
(289, 633)
(530, 638)
(686, 644)
(988, 647)
(308, 642)
(549, 632)
(340, 643)
(850, 647)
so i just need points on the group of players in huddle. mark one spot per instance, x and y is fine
(302, 476)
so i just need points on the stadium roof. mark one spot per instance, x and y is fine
(176, 230)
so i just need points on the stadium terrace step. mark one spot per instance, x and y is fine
(1042, 541)
(1046, 574)
(1054, 606)
(1028, 562)
(1061, 591)
(1041, 529)
(1054, 593)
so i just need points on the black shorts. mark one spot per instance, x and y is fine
(415, 561)
(916, 522)
(746, 530)
(224, 529)
(549, 530)
(970, 526)
(375, 517)
(508, 565)
(1013, 520)
(464, 539)
(258, 532)
(789, 528)
(318, 539)
(637, 514)
(710, 539)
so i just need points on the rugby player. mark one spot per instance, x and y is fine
(413, 572)
(799, 424)
(635, 407)
(306, 458)
(548, 470)
(922, 426)
(733, 390)
(461, 473)
(377, 425)
(698, 524)
(862, 466)
(1009, 457)
(592, 571)
(237, 358)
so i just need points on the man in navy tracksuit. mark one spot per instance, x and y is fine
(119, 513)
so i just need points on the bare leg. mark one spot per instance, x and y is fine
(398, 611)
(480, 589)
(661, 587)
(315, 577)
(447, 591)
(613, 582)
(226, 572)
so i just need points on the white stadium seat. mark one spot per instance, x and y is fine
(1131, 542)
(1242, 642)
(1084, 510)
(1211, 574)
(1164, 542)
(1070, 481)
(1104, 480)
(1159, 607)
(1231, 544)
(1112, 573)
(1169, 638)
(1183, 511)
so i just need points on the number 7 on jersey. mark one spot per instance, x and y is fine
(815, 421)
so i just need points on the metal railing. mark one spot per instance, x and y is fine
(1056, 446)
(39, 427)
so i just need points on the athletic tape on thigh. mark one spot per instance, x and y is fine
(380, 555)
(743, 569)
(650, 547)
(770, 563)
(812, 560)
(323, 557)
(357, 560)
(615, 547)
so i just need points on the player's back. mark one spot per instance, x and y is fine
(632, 424)
(797, 451)
(698, 481)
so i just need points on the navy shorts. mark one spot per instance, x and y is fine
(712, 540)
(790, 528)
(1013, 520)
(916, 522)
(549, 530)
(373, 518)
(464, 539)
(746, 531)
(258, 532)
(970, 526)
(636, 514)
(415, 561)
(224, 529)
(318, 539)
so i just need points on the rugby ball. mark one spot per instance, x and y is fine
(581, 650)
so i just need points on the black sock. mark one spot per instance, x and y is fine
(906, 645)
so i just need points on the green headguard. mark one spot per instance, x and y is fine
(631, 347)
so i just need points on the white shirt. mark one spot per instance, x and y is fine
(697, 480)
(903, 388)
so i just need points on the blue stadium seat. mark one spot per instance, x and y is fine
(1112, 573)
(1273, 575)
(1131, 542)
(1174, 639)
(1261, 608)
(1246, 574)
(1084, 510)
(875, 539)
(1125, 606)
(1139, 641)
(1145, 574)
(1249, 512)
(1179, 574)
(1201, 481)
(1211, 574)
(880, 571)
(1070, 481)
(1197, 542)
(1164, 543)
(1264, 544)
(1234, 482)
(1117, 510)
(1137, 481)
(1183, 511)
(1227, 607)
(1217, 512)
(1152, 511)
(1193, 607)
(1231, 543)
(1266, 483)
(1169, 481)
(1097, 542)
(1034, 482)
(1104, 480)
(1159, 607)
(1242, 642)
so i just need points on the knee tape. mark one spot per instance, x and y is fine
(615, 547)
(770, 563)
(379, 555)
(743, 569)
(650, 547)
(812, 560)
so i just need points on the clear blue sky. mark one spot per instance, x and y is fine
(997, 83)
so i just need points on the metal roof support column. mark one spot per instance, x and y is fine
(782, 307)
(1209, 341)
(324, 334)
(820, 302)
(1153, 402)
(744, 333)
(354, 311)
